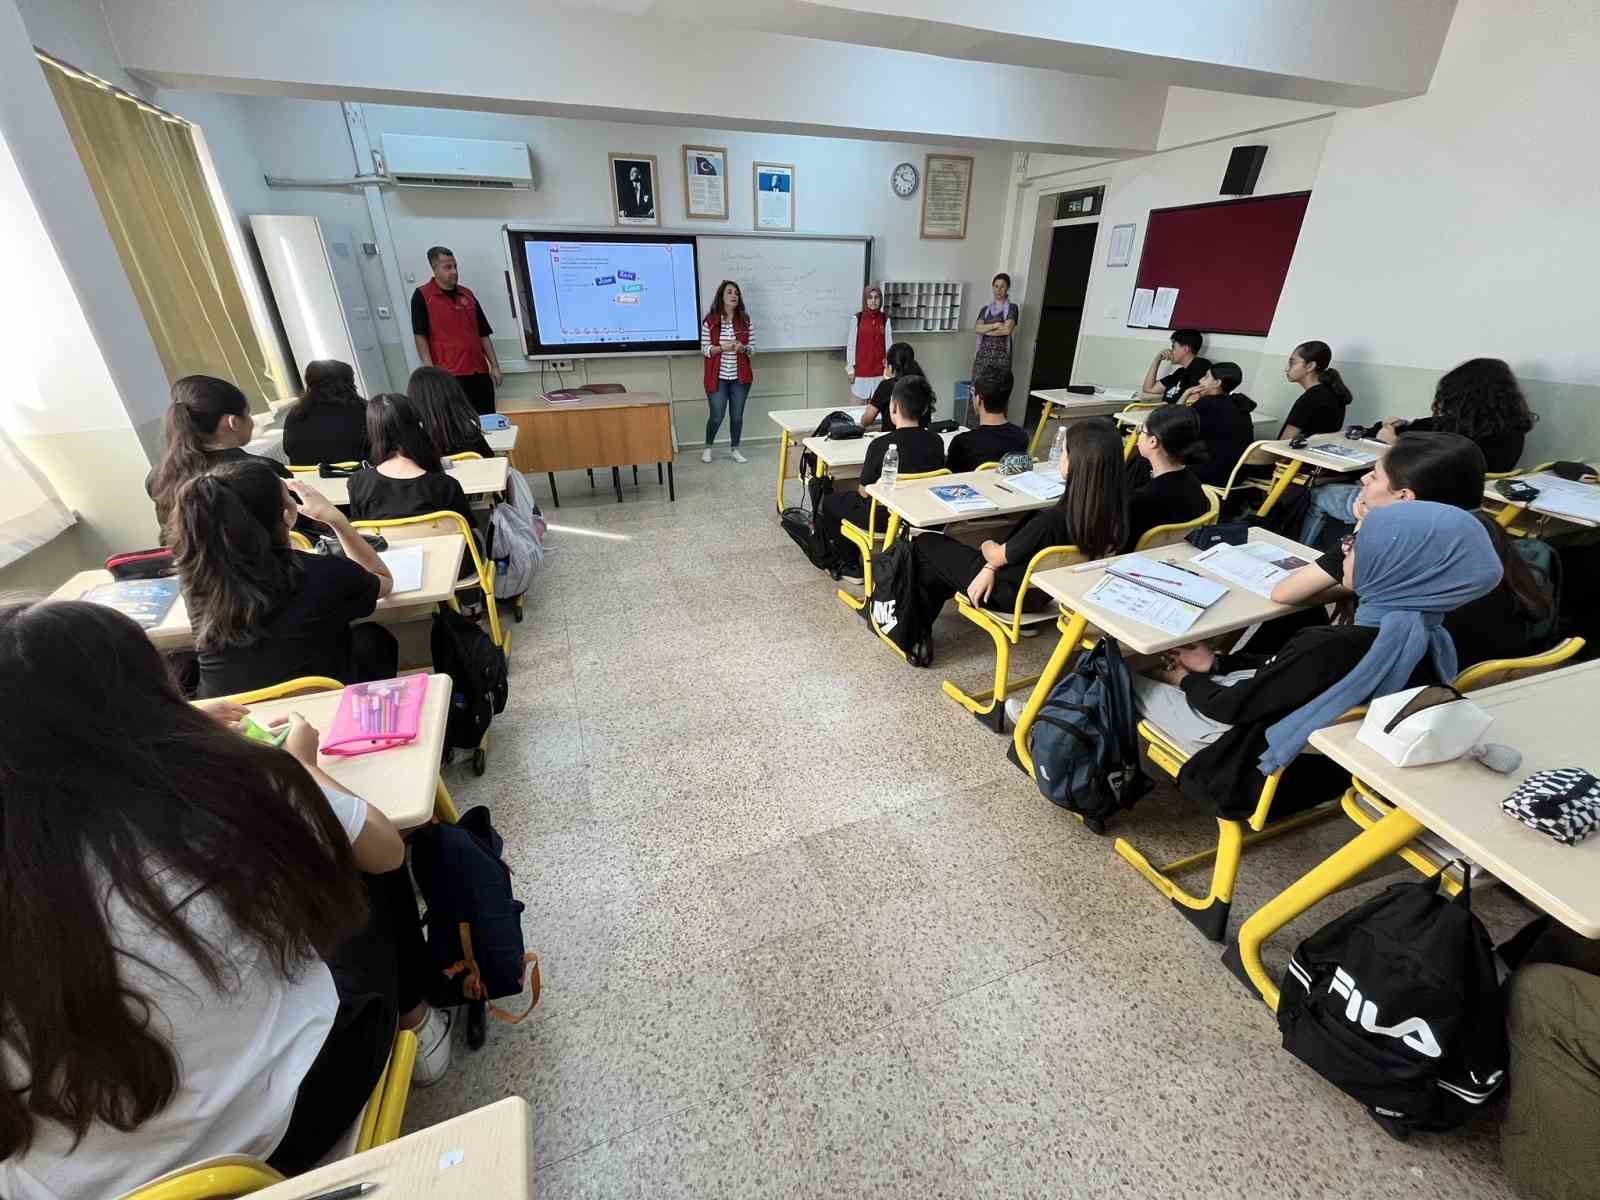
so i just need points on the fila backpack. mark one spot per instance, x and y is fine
(1398, 1003)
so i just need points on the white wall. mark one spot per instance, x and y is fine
(1196, 116)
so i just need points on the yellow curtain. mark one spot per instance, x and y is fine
(147, 176)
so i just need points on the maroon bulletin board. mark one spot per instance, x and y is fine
(1228, 259)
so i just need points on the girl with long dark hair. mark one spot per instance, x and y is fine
(1323, 394)
(328, 423)
(208, 422)
(262, 611)
(1481, 400)
(726, 338)
(174, 895)
(900, 359)
(447, 416)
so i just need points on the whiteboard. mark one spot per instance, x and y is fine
(800, 291)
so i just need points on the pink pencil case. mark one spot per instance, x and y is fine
(376, 716)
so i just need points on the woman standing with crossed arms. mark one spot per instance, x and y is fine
(725, 339)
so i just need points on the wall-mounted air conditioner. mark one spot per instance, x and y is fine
(417, 161)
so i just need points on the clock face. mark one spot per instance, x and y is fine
(904, 180)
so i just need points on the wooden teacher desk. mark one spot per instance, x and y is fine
(607, 430)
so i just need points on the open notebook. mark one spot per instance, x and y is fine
(405, 564)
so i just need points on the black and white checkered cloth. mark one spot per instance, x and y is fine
(1565, 803)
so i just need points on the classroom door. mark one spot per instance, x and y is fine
(1066, 283)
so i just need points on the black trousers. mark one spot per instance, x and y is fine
(945, 567)
(374, 653)
(841, 507)
(480, 390)
(381, 972)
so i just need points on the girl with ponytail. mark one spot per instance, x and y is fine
(1323, 395)
(263, 612)
(1169, 442)
(208, 422)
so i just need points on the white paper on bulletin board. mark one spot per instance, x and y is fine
(1139, 313)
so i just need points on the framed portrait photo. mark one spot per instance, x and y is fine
(774, 195)
(705, 183)
(633, 189)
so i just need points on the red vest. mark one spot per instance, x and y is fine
(714, 360)
(869, 343)
(453, 329)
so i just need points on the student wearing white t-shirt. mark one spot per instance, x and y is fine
(192, 960)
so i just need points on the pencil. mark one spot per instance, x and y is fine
(1004, 488)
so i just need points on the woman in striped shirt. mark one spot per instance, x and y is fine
(725, 340)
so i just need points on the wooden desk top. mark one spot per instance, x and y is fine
(1107, 401)
(1328, 462)
(1550, 718)
(399, 783)
(852, 452)
(477, 477)
(441, 562)
(501, 441)
(1559, 518)
(1138, 416)
(480, 1155)
(540, 404)
(916, 506)
(805, 420)
(1238, 609)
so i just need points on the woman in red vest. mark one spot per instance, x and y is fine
(725, 340)
(867, 345)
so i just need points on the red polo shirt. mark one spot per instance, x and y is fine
(453, 323)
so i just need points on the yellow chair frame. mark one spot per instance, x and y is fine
(312, 469)
(444, 807)
(463, 456)
(299, 540)
(381, 1119)
(865, 540)
(1284, 474)
(450, 522)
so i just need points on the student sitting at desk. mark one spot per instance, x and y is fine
(194, 962)
(262, 611)
(1168, 443)
(1245, 715)
(328, 424)
(920, 450)
(208, 422)
(1225, 424)
(1480, 400)
(995, 436)
(900, 360)
(1182, 352)
(1323, 394)
(1092, 514)
(447, 415)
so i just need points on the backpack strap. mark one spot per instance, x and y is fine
(472, 985)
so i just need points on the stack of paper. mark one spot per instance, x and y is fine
(1256, 566)
(962, 498)
(1565, 497)
(405, 564)
(1143, 605)
(1355, 453)
(1041, 485)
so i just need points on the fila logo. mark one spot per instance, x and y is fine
(1413, 1031)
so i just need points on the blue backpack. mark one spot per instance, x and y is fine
(1085, 743)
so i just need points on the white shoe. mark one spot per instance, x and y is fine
(705, 455)
(736, 456)
(433, 1048)
(1014, 707)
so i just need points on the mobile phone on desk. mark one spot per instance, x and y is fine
(1298, 442)
(1515, 489)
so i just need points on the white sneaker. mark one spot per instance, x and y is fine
(433, 1048)
(705, 455)
(736, 456)
(1014, 707)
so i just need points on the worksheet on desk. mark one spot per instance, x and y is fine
(1256, 566)
(1565, 497)
(1143, 605)
(405, 564)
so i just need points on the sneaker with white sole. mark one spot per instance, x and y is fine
(1014, 707)
(433, 1048)
(705, 455)
(736, 456)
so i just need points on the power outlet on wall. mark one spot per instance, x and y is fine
(556, 364)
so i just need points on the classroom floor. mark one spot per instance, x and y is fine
(805, 932)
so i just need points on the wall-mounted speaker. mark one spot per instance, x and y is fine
(1244, 168)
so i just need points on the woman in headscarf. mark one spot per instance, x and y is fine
(866, 347)
(1247, 715)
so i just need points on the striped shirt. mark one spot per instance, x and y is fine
(728, 368)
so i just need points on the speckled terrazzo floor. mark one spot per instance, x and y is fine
(806, 933)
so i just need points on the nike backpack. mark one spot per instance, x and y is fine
(894, 606)
(1398, 1004)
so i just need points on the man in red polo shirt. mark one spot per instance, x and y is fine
(452, 333)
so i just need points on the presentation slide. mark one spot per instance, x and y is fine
(588, 293)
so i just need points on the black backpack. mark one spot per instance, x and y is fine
(835, 424)
(477, 670)
(893, 605)
(474, 923)
(1398, 1004)
(1085, 741)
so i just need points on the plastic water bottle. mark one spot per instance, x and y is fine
(891, 467)
(1059, 446)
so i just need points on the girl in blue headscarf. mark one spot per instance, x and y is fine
(1410, 564)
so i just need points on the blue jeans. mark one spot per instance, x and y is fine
(730, 394)
(1334, 502)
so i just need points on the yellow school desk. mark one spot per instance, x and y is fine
(1134, 418)
(608, 429)
(844, 457)
(1069, 587)
(477, 477)
(1071, 406)
(1508, 511)
(400, 783)
(480, 1155)
(501, 441)
(913, 500)
(1297, 460)
(1550, 719)
(441, 562)
(795, 424)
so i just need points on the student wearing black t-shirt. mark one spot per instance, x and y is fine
(1481, 400)
(447, 414)
(1092, 515)
(920, 450)
(328, 424)
(995, 437)
(1225, 424)
(1323, 396)
(1169, 443)
(1183, 353)
(208, 423)
(900, 359)
(262, 611)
